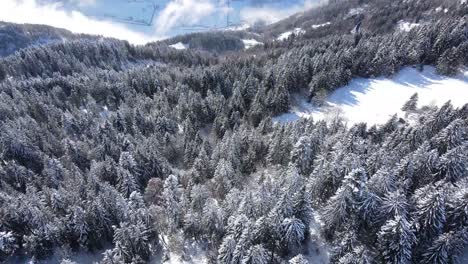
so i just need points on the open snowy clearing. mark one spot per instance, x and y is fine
(321, 25)
(179, 46)
(406, 26)
(375, 100)
(285, 35)
(249, 43)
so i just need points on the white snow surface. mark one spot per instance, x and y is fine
(176, 259)
(321, 25)
(249, 43)
(406, 26)
(354, 11)
(375, 100)
(285, 35)
(179, 46)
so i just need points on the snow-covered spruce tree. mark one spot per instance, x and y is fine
(257, 254)
(344, 203)
(244, 244)
(293, 231)
(346, 245)
(79, 225)
(449, 62)
(453, 164)
(447, 248)
(457, 206)
(153, 191)
(132, 242)
(452, 136)
(303, 155)
(411, 105)
(359, 255)
(126, 182)
(39, 245)
(395, 204)
(303, 206)
(213, 218)
(396, 239)
(224, 178)
(278, 152)
(438, 120)
(112, 256)
(370, 209)
(171, 196)
(430, 212)
(226, 249)
(8, 244)
(202, 166)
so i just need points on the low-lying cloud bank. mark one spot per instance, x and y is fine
(187, 12)
(271, 15)
(173, 14)
(33, 12)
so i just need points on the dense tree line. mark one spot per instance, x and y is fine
(142, 151)
(14, 37)
(217, 42)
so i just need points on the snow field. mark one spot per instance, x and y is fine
(179, 46)
(375, 100)
(249, 43)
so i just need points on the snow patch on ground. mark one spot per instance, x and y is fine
(249, 43)
(194, 254)
(375, 100)
(285, 35)
(317, 250)
(300, 109)
(321, 25)
(354, 11)
(179, 46)
(176, 259)
(406, 26)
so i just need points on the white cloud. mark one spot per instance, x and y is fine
(73, 2)
(84, 2)
(173, 14)
(30, 11)
(271, 15)
(179, 12)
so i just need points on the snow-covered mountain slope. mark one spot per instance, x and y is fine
(179, 46)
(321, 25)
(406, 26)
(14, 37)
(375, 100)
(285, 35)
(249, 43)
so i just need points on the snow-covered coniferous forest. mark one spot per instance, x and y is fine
(337, 135)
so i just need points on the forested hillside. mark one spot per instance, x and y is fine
(14, 37)
(148, 153)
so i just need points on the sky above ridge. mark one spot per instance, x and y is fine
(141, 21)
